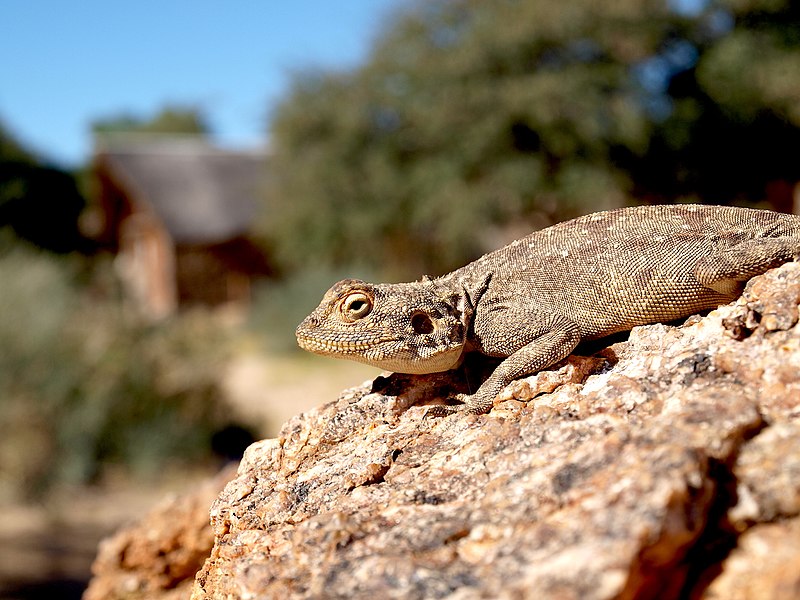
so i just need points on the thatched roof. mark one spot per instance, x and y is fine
(201, 193)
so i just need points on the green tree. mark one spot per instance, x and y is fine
(11, 150)
(474, 116)
(727, 92)
(469, 115)
(39, 203)
(170, 119)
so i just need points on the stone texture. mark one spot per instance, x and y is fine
(765, 565)
(158, 556)
(665, 466)
(628, 475)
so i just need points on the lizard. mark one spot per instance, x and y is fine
(531, 302)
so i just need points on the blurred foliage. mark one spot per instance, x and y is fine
(473, 117)
(40, 203)
(169, 119)
(11, 150)
(84, 384)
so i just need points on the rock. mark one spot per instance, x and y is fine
(765, 565)
(643, 472)
(665, 466)
(158, 556)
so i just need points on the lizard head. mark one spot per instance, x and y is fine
(403, 327)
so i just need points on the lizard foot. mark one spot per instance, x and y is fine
(442, 410)
(467, 406)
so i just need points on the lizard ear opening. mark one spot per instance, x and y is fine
(421, 323)
(356, 306)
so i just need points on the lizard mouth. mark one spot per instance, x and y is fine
(384, 353)
(331, 346)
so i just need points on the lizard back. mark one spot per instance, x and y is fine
(613, 270)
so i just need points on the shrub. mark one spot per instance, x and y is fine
(85, 384)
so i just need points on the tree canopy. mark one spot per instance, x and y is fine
(476, 120)
(39, 203)
(169, 119)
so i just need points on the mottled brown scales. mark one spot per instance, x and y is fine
(532, 301)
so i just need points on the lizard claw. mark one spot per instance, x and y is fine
(466, 406)
(441, 410)
(445, 410)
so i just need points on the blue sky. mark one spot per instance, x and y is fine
(65, 64)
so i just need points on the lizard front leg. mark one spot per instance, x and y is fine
(553, 340)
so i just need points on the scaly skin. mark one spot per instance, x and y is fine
(533, 301)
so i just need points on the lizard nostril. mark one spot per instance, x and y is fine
(310, 322)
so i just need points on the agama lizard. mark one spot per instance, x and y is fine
(532, 301)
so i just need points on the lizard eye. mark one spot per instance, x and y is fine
(356, 306)
(421, 323)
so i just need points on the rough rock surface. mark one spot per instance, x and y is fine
(158, 556)
(665, 466)
(634, 478)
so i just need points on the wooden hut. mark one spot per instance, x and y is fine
(177, 212)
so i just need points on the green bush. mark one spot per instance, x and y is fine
(85, 384)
